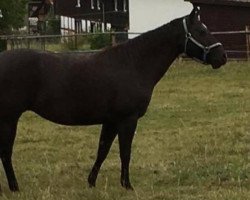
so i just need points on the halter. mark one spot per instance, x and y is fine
(206, 49)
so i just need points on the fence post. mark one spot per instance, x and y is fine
(248, 41)
(12, 44)
(113, 40)
(76, 46)
(3, 45)
(44, 43)
(28, 43)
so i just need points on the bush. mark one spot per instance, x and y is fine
(100, 41)
(86, 42)
(53, 27)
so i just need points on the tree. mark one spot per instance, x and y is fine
(13, 12)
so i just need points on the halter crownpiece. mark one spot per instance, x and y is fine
(206, 49)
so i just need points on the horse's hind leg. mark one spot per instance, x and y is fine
(7, 137)
(108, 133)
(126, 133)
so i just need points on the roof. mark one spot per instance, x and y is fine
(242, 3)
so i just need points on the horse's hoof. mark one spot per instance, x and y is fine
(127, 186)
(14, 187)
(91, 181)
(91, 185)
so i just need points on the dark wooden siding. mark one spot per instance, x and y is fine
(230, 15)
(220, 18)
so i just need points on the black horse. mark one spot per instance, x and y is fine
(112, 87)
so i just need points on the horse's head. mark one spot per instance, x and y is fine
(200, 44)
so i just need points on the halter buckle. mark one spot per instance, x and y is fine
(188, 35)
(206, 49)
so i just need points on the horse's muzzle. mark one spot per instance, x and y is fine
(218, 62)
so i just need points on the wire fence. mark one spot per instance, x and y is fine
(74, 42)
(92, 42)
(236, 43)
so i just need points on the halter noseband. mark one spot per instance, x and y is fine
(206, 49)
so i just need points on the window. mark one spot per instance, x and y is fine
(115, 5)
(78, 3)
(98, 5)
(125, 5)
(92, 4)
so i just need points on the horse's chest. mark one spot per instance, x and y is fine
(132, 101)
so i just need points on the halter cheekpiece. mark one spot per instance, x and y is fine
(206, 49)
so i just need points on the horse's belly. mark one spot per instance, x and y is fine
(73, 114)
(65, 118)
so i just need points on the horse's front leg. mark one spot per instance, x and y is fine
(7, 137)
(126, 134)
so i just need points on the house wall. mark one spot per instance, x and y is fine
(146, 15)
(219, 18)
(225, 18)
(118, 18)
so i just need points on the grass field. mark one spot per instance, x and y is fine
(193, 143)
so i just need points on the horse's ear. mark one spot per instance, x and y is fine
(195, 14)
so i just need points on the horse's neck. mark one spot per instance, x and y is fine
(153, 52)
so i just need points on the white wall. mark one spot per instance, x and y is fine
(149, 14)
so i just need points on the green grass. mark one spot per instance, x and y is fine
(193, 143)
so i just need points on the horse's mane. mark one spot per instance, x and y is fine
(147, 40)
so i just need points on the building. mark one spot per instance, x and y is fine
(102, 12)
(79, 16)
(231, 20)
